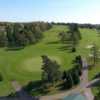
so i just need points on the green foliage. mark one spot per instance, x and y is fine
(72, 76)
(73, 28)
(51, 72)
(95, 54)
(3, 39)
(71, 38)
(68, 82)
(22, 34)
(75, 76)
(77, 63)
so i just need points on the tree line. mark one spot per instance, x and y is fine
(21, 34)
(84, 25)
(51, 73)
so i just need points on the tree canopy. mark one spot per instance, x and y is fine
(50, 70)
(22, 34)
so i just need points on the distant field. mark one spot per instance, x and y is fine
(25, 65)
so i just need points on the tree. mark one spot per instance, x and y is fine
(29, 34)
(74, 30)
(50, 70)
(71, 38)
(77, 63)
(63, 37)
(19, 35)
(10, 38)
(74, 36)
(68, 81)
(98, 30)
(3, 39)
(72, 76)
(37, 32)
(95, 55)
(75, 76)
(22, 34)
(78, 60)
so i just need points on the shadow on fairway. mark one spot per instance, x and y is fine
(53, 42)
(66, 48)
(24, 93)
(14, 48)
(19, 95)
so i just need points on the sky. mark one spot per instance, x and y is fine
(80, 11)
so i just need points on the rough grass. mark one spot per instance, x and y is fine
(25, 65)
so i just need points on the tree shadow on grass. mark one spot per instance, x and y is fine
(35, 88)
(53, 42)
(66, 48)
(24, 93)
(32, 86)
(19, 95)
(14, 48)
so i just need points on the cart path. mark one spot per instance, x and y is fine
(85, 81)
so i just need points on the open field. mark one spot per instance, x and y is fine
(25, 65)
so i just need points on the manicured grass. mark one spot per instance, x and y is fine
(25, 65)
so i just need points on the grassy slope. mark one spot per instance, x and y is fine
(25, 65)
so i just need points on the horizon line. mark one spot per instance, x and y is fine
(48, 22)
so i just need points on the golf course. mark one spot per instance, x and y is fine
(25, 65)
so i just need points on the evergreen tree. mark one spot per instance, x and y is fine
(71, 38)
(75, 76)
(68, 80)
(50, 70)
(94, 53)
(3, 39)
(78, 64)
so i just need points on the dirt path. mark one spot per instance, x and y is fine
(59, 96)
(17, 87)
(84, 81)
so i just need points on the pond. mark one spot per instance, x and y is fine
(75, 97)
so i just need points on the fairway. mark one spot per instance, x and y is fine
(25, 65)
